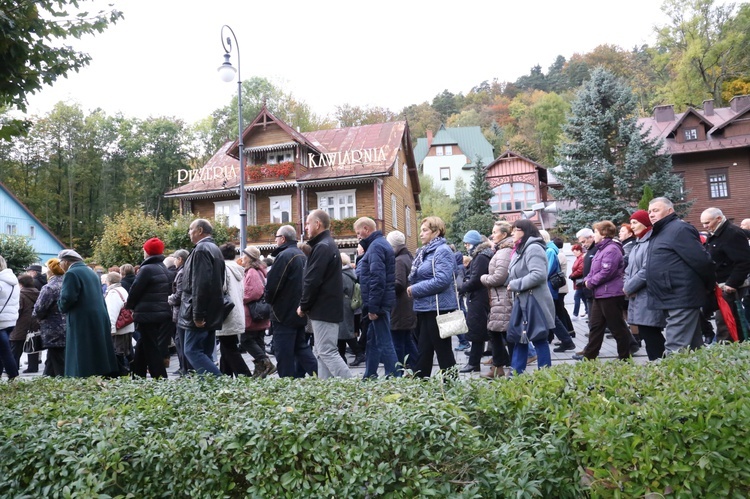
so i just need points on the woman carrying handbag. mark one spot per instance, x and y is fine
(528, 280)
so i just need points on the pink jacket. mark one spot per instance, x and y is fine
(254, 285)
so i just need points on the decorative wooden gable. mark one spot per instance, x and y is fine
(690, 127)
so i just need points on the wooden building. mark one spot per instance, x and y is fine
(520, 185)
(710, 150)
(350, 172)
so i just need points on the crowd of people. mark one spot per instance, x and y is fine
(652, 280)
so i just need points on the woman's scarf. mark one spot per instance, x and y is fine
(431, 246)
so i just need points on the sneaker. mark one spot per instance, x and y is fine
(565, 348)
(578, 357)
(487, 362)
(468, 368)
(584, 315)
(462, 346)
(531, 359)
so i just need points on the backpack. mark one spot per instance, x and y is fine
(356, 297)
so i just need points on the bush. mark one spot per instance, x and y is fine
(18, 252)
(606, 429)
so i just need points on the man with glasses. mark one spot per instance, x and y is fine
(727, 245)
(679, 276)
(294, 357)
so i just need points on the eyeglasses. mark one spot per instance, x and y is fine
(277, 236)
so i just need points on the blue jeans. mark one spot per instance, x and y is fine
(562, 332)
(579, 296)
(7, 360)
(405, 346)
(380, 348)
(521, 353)
(294, 357)
(199, 350)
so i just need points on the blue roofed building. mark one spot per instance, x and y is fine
(17, 220)
(452, 154)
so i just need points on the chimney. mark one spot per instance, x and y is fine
(429, 139)
(708, 107)
(664, 113)
(739, 102)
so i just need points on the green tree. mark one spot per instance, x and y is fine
(446, 104)
(31, 54)
(474, 211)
(704, 45)
(606, 157)
(348, 115)
(18, 252)
(421, 117)
(435, 201)
(123, 237)
(648, 195)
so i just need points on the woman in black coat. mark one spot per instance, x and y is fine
(478, 299)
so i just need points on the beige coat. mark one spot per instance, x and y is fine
(501, 301)
(563, 259)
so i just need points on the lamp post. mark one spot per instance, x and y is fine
(226, 72)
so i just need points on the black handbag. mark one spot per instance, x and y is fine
(227, 308)
(33, 343)
(259, 310)
(527, 324)
(557, 280)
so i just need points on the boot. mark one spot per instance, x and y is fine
(495, 373)
(264, 368)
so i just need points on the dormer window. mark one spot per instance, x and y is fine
(276, 157)
(691, 134)
(438, 150)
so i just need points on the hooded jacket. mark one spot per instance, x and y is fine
(607, 270)
(234, 324)
(402, 315)
(26, 322)
(9, 299)
(501, 301)
(254, 286)
(430, 282)
(635, 286)
(377, 274)
(478, 298)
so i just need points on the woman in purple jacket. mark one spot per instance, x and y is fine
(605, 279)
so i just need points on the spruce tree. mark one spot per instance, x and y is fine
(607, 158)
(474, 211)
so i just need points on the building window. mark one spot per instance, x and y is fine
(445, 173)
(395, 168)
(449, 150)
(405, 175)
(281, 209)
(718, 184)
(691, 133)
(11, 229)
(394, 210)
(32, 232)
(228, 212)
(438, 150)
(513, 197)
(338, 204)
(407, 221)
(682, 185)
(276, 157)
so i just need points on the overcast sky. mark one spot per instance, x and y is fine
(161, 59)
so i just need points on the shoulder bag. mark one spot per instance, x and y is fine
(527, 323)
(557, 280)
(33, 343)
(259, 309)
(125, 317)
(452, 323)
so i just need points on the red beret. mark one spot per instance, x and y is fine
(641, 216)
(153, 246)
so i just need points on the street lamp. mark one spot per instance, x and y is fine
(226, 72)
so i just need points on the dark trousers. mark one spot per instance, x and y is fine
(16, 346)
(353, 344)
(654, 340)
(231, 362)
(54, 366)
(406, 347)
(500, 357)
(608, 313)
(148, 355)
(294, 357)
(475, 352)
(430, 343)
(254, 343)
(166, 333)
(179, 343)
(562, 313)
(7, 361)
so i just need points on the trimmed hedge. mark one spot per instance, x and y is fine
(609, 429)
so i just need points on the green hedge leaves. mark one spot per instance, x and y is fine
(606, 429)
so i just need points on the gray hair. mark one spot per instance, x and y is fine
(713, 212)
(3, 263)
(545, 235)
(585, 232)
(289, 232)
(205, 225)
(182, 254)
(665, 201)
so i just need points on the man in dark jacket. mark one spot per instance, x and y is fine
(323, 294)
(730, 252)
(202, 303)
(35, 271)
(294, 357)
(679, 275)
(376, 272)
(148, 300)
(403, 318)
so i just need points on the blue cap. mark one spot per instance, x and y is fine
(473, 237)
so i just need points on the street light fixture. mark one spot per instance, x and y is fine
(226, 72)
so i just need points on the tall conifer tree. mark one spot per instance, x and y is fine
(607, 158)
